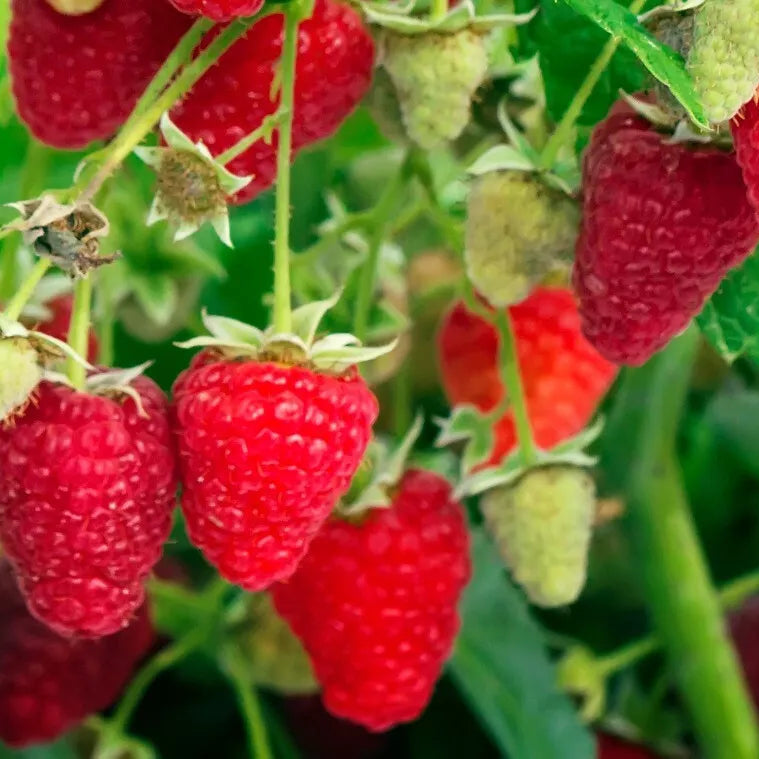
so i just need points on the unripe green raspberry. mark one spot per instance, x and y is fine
(435, 76)
(20, 373)
(382, 103)
(275, 657)
(724, 57)
(518, 231)
(542, 526)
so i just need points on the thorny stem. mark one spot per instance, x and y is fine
(142, 123)
(514, 388)
(282, 317)
(380, 218)
(267, 125)
(79, 330)
(26, 290)
(731, 595)
(258, 740)
(564, 128)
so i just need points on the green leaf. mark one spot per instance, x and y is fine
(567, 45)
(157, 294)
(663, 62)
(58, 750)
(502, 668)
(729, 320)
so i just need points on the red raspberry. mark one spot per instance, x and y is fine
(745, 129)
(374, 602)
(564, 378)
(103, 62)
(333, 71)
(662, 224)
(219, 10)
(48, 684)
(265, 450)
(614, 748)
(60, 320)
(87, 488)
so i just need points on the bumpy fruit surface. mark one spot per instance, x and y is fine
(86, 494)
(104, 60)
(662, 224)
(333, 72)
(374, 602)
(745, 129)
(724, 59)
(435, 76)
(266, 450)
(219, 10)
(542, 526)
(564, 377)
(274, 657)
(610, 747)
(518, 231)
(20, 373)
(48, 683)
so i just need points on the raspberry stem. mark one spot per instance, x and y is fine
(564, 128)
(438, 10)
(512, 379)
(683, 602)
(282, 317)
(79, 330)
(26, 290)
(262, 132)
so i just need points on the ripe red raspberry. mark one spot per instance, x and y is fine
(333, 71)
(564, 377)
(374, 602)
(265, 451)
(87, 488)
(48, 683)
(103, 62)
(614, 748)
(59, 322)
(219, 10)
(662, 224)
(745, 129)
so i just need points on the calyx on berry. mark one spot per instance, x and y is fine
(468, 425)
(331, 353)
(67, 233)
(192, 187)
(581, 674)
(383, 469)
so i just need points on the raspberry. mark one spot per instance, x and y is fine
(374, 602)
(219, 10)
(662, 224)
(564, 377)
(266, 450)
(435, 77)
(542, 525)
(723, 60)
(86, 494)
(333, 71)
(745, 129)
(518, 231)
(103, 62)
(48, 683)
(614, 748)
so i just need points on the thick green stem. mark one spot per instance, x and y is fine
(250, 706)
(514, 388)
(564, 128)
(438, 9)
(683, 603)
(282, 317)
(128, 138)
(26, 290)
(79, 330)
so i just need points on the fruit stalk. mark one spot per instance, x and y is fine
(512, 379)
(128, 138)
(26, 290)
(243, 144)
(564, 128)
(683, 602)
(79, 331)
(282, 316)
